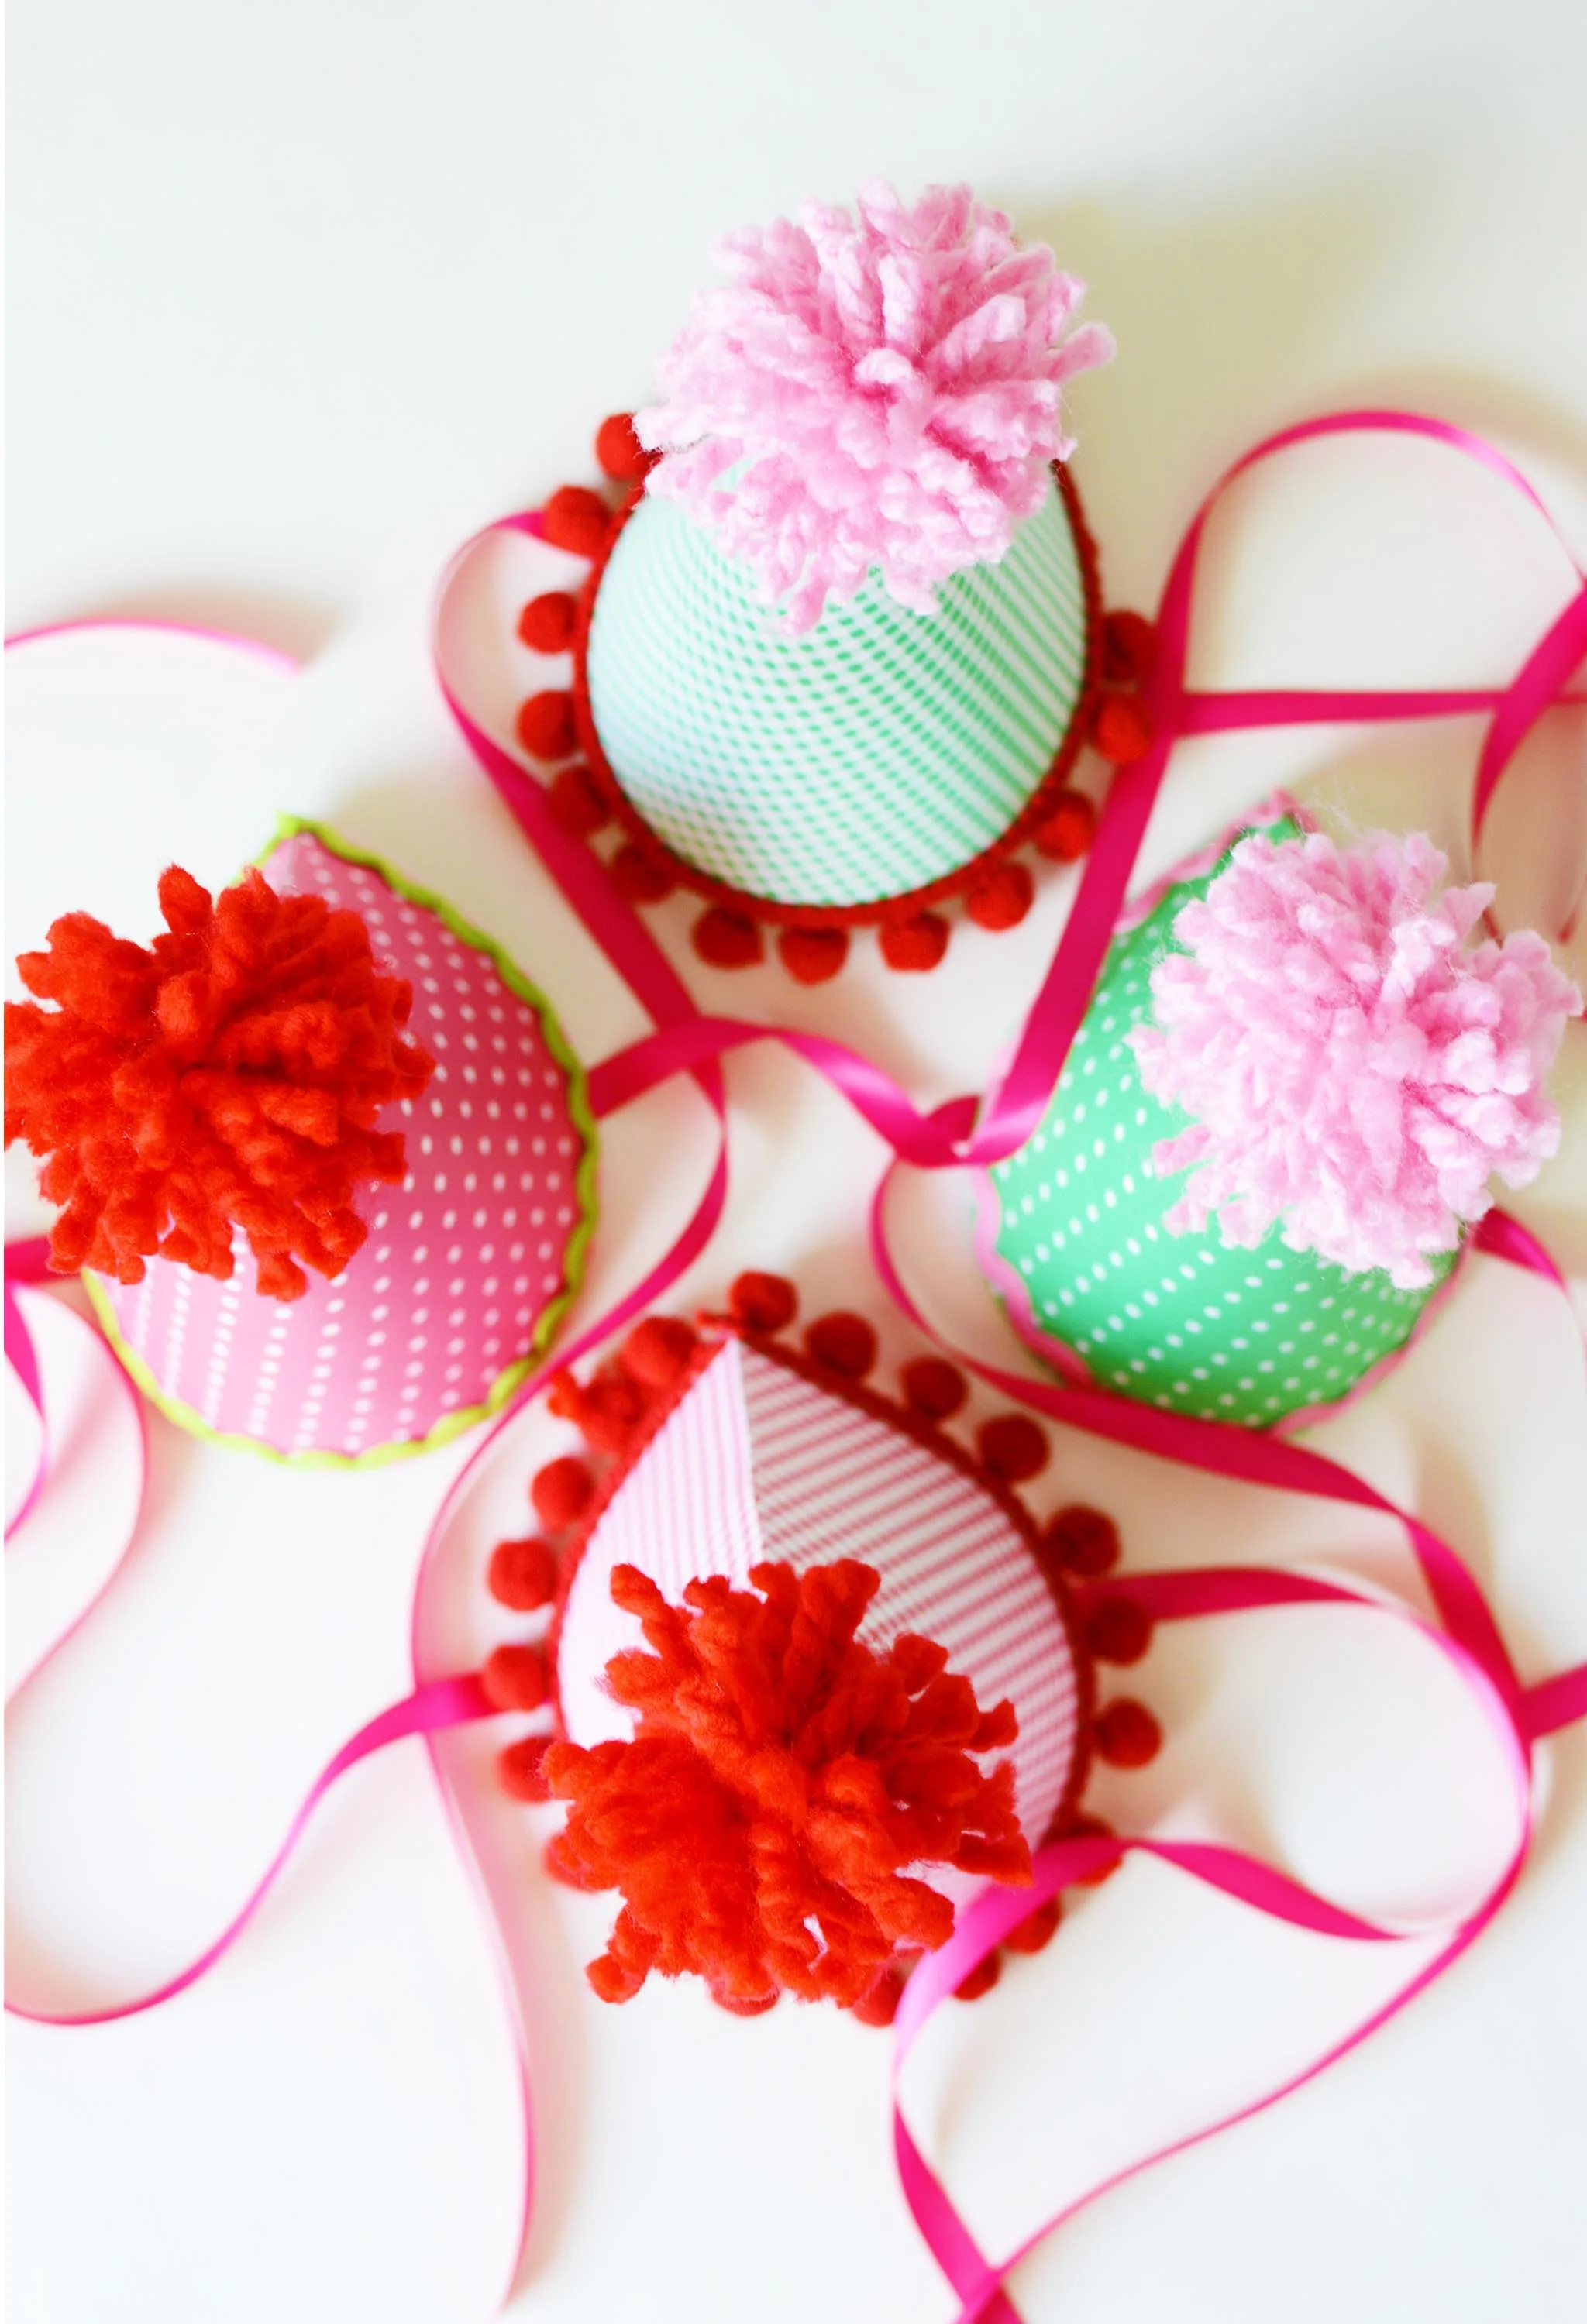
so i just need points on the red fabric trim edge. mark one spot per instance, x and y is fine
(915, 900)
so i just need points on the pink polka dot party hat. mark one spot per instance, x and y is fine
(330, 1082)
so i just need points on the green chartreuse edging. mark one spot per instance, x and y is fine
(506, 1383)
(1178, 1321)
(880, 752)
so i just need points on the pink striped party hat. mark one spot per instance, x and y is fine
(869, 1684)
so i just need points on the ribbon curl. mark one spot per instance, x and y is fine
(966, 1132)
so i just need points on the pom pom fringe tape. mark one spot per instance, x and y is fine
(947, 1139)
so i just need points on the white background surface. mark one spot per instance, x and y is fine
(300, 295)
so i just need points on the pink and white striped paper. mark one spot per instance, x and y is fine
(758, 1462)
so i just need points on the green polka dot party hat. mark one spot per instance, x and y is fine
(1300, 1071)
(840, 644)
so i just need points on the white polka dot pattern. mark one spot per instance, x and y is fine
(467, 1264)
(758, 1461)
(1082, 1258)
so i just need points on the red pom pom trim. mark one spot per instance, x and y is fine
(1038, 1930)
(763, 1303)
(1002, 899)
(1121, 730)
(575, 803)
(1125, 1733)
(813, 955)
(981, 1979)
(844, 1344)
(914, 946)
(933, 1387)
(606, 1411)
(522, 1574)
(228, 1075)
(520, 1769)
(1068, 832)
(576, 519)
(621, 455)
(1129, 649)
(1118, 1630)
(545, 725)
(638, 878)
(1084, 1541)
(561, 1493)
(660, 1351)
(1014, 1447)
(726, 939)
(546, 622)
(515, 1678)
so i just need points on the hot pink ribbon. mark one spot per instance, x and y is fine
(954, 1136)
(26, 1262)
(435, 1702)
(449, 1702)
(1177, 1597)
(1470, 1638)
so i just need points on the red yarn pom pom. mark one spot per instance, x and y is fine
(515, 1678)
(1125, 1734)
(619, 451)
(784, 1780)
(727, 939)
(546, 727)
(913, 946)
(521, 1768)
(879, 2003)
(546, 622)
(575, 803)
(638, 878)
(844, 1344)
(1118, 1630)
(934, 1389)
(228, 1075)
(762, 1303)
(1128, 644)
(1121, 728)
(1002, 899)
(813, 955)
(576, 519)
(1066, 833)
(522, 1574)
(1084, 1541)
(658, 1350)
(1038, 1930)
(1014, 1447)
(561, 1493)
(981, 1979)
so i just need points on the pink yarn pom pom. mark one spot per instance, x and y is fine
(885, 390)
(1354, 1068)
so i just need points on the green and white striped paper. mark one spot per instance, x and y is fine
(877, 754)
